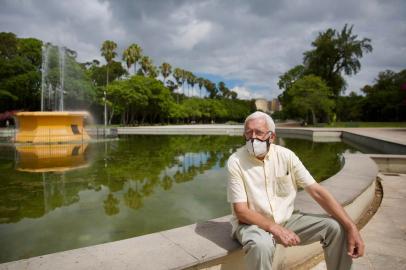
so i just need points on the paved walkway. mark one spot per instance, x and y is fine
(396, 135)
(385, 233)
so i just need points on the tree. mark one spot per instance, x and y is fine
(184, 79)
(191, 80)
(211, 88)
(290, 77)
(20, 77)
(311, 94)
(166, 70)
(385, 100)
(225, 92)
(132, 55)
(350, 108)
(146, 64)
(334, 53)
(200, 82)
(108, 51)
(98, 73)
(177, 74)
(153, 71)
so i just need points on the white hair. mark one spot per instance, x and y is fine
(269, 121)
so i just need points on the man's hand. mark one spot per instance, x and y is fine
(284, 236)
(355, 245)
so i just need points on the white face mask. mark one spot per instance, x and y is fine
(257, 148)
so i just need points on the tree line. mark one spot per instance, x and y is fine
(313, 90)
(138, 92)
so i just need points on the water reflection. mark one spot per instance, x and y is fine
(52, 197)
(51, 158)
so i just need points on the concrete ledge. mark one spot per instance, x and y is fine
(381, 146)
(208, 245)
(390, 163)
(323, 135)
(184, 130)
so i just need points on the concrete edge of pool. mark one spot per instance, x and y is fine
(208, 245)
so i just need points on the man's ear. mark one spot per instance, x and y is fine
(272, 137)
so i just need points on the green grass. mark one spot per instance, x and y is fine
(362, 124)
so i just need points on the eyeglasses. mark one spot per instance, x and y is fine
(259, 133)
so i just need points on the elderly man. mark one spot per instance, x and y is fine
(262, 186)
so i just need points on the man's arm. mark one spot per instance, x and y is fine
(326, 200)
(282, 235)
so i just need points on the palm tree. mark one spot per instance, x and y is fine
(146, 64)
(211, 88)
(184, 78)
(193, 81)
(127, 57)
(223, 89)
(200, 82)
(336, 52)
(152, 71)
(132, 55)
(108, 51)
(177, 74)
(166, 70)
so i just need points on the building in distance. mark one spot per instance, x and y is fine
(267, 106)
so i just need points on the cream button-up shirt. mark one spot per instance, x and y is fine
(269, 186)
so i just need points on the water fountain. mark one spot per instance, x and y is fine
(53, 124)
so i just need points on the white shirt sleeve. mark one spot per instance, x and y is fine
(235, 185)
(302, 176)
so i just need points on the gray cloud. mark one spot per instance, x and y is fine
(250, 41)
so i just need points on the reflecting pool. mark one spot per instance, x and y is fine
(60, 197)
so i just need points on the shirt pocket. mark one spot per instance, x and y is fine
(284, 185)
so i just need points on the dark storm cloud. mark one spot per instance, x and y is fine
(249, 41)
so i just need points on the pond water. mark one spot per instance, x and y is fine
(61, 197)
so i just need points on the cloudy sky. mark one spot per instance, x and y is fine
(247, 44)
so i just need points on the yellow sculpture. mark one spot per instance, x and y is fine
(51, 127)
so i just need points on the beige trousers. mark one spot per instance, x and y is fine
(259, 245)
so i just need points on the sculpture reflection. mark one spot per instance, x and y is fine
(51, 157)
(52, 161)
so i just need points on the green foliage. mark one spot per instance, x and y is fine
(349, 108)
(132, 55)
(98, 73)
(386, 99)
(287, 79)
(20, 63)
(139, 99)
(132, 100)
(166, 70)
(311, 94)
(108, 50)
(336, 52)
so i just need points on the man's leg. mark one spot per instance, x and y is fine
(313, 228)
(258, 245)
